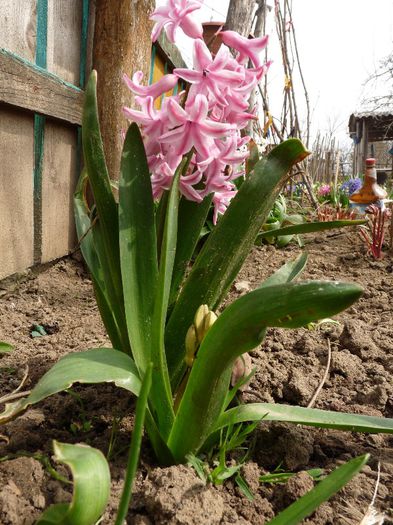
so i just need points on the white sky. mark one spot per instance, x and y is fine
(340, 44)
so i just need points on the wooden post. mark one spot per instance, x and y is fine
(121, 45)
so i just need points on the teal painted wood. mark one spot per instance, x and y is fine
(39, 69)
(83, 51)
(152, 61)
(39, 129)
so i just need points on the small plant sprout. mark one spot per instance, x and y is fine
(374, 233)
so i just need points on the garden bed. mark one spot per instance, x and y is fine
(290, 365)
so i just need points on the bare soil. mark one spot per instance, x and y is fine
(290, 365)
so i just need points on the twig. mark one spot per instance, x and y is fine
(324, 378)
(15, 394)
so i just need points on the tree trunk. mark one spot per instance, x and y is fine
(121, 45)
(239, 16)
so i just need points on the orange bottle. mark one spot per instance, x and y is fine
(370, 192)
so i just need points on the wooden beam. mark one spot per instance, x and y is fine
(30, 87)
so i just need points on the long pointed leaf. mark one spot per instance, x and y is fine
(310, 227)
(161, 394)
(238, 329)
(138, 245)
(106, 229)
(228, 245)
(91, 476)
(305, 416)
(98, 365)
(288, 272)
(84, 229)
(324, 490)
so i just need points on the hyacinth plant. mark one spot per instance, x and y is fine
(183, 159)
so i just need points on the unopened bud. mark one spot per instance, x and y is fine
(210, 319)
(199, 321)
(191, 346)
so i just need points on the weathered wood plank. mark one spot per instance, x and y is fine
(18, 27)
(59, 177)
(16, 191)
(64, 39)
(30, 87)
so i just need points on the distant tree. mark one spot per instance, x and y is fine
(383, 76)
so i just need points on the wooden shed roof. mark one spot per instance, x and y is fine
(379, 124)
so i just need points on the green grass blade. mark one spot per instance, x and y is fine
(192, 216)
(138, 245)
(288, 272)
(98, 365)
(239, 329)
(313, 417)
(324, 490)
(310, 227)
(136, 441)
(91, 475)
(228, 245)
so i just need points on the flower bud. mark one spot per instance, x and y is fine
(199, 321)
(210, 319)
(191, 346)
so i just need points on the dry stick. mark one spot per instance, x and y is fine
(16, 394)
(302, 79)
(324, 378)
(372, 515)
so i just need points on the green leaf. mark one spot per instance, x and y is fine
(133, 454)
(244, 487)
(237, 330)
(305, 416)
(161, 394)
(192, 217)
(228, 245)
(84, 228)
(282, 477)
(324, 490)
(310, 227)
(98, 365)
(138, 245)
(5, 347)
(288, 272)
(106, 227)
(92, 481)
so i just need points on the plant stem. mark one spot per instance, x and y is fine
(133, 456)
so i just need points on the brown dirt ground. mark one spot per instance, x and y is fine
(290, 365)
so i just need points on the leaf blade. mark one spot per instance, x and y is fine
(91, 477)
(324, 490)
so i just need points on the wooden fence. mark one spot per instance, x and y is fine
(45, 55)
(43, 59)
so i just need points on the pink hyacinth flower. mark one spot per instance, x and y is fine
(194, 128)
(209, 76)
(166, 83)
(248, 48)
(176, 14)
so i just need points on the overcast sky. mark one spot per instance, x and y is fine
(340, 44)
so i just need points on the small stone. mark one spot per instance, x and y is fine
(242, 287)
